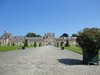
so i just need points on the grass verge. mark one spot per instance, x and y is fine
(8, 48)
(75, 49)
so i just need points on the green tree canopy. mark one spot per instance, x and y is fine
(64, 35)
(38, 35)
(89, 38)
(31, 34)
(74, 35)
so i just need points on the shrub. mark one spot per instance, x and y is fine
(61, 43)
(0, 43)
(13, 44)
(89, 40)
(67, 44)
(26, 43)
(35, 44)
(57, 44)
(8, 44)
(40, 44)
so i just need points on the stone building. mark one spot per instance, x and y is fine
(47, 39)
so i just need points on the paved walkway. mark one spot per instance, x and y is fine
(46, 60)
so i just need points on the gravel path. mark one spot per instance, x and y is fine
(46, 60)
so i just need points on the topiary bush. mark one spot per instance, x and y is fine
(35, 44)
(67, 44)
(57, 44)
(13, 44)
(89, 40)
(0, 43)
(8, 44)
(26, 43)
(61, 43)
(40, 44)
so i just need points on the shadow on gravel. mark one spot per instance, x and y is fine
(70, 61)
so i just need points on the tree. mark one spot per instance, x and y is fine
(67, 44)
(61, 43)
(30, 34)
(74, 35)
(40, 44)
(13, 44)
(0, 43)
(8, 43)
(57, 44)
(38, 35)
(64, 35)
(89, 40)
(35, 44)
(25, 43)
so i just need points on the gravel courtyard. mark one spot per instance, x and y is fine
(46, 60)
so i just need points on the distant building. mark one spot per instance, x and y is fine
(47, 39)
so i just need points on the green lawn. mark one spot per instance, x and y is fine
(77, 50)
(8, 48)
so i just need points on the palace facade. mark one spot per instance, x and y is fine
(47, 39)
